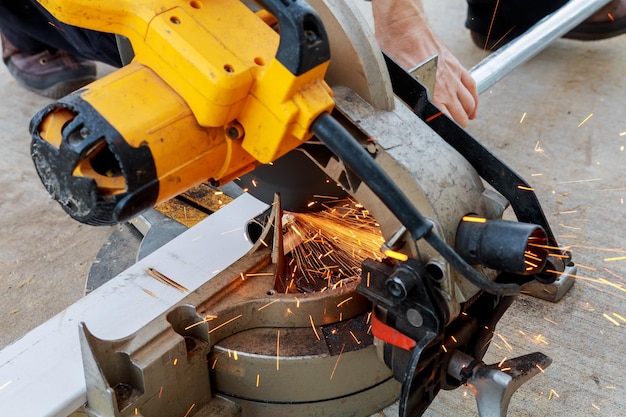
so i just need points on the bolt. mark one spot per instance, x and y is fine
(400, 284)
(234, 131)
(414, 317)
(310, 36)
(84, 132)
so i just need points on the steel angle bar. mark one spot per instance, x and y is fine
(41, 374)
(493, 68)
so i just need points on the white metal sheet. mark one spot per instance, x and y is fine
(41, 374)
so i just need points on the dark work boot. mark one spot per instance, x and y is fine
(49, 74)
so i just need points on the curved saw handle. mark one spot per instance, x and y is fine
(304, 42)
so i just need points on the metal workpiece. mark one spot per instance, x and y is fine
(493, 68)
(116, 310)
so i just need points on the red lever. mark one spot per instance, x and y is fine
(390, 335)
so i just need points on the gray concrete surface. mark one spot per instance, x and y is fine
(533, 119)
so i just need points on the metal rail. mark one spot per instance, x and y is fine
(492, 69)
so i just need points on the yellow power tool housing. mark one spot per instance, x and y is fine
(203, 99)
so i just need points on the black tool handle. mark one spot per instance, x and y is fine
(303, 43)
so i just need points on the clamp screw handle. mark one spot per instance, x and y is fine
(494, 385)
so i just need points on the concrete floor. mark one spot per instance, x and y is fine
(533, 120)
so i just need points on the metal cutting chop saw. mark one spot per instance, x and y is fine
(217, 88)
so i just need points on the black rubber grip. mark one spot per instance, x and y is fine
(88, 136)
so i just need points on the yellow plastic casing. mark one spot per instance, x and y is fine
(217, 56)
(144, 108)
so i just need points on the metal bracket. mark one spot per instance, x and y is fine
(426, 73)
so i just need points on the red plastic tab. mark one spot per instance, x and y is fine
(390, 335)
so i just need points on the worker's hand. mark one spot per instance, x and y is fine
(403, 32)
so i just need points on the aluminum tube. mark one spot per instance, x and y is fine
(492, 69)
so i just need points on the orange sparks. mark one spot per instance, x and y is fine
(541, 339)
(472, 219)
(207, 318)
(611, 17)
(190, 408)
(314, 328)
(532, 256)
(580, 181)
(344, 301)
(225, 323)
(620, 317)
(594, 280)
(551, 321)
(552, 393)
(258, 380)
(332, 245)
(508, 345)
(617, 258)
(175, 361)
(433, 117)
(160, 392)
(396, 255)
(523, 117)
(523, 187)
(493, 17)
(555, 248)
(337, 361)
(539, 367)
(277, 351)
(358, 342)
(267, 305)
(586, 119)
(539, 149)
(611, 319)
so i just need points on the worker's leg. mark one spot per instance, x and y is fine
(493, 23)
(30, 28)
(46, 56)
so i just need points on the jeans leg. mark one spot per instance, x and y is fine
(29, 27)
(511, 16)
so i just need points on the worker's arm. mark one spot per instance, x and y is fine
(403, 32)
